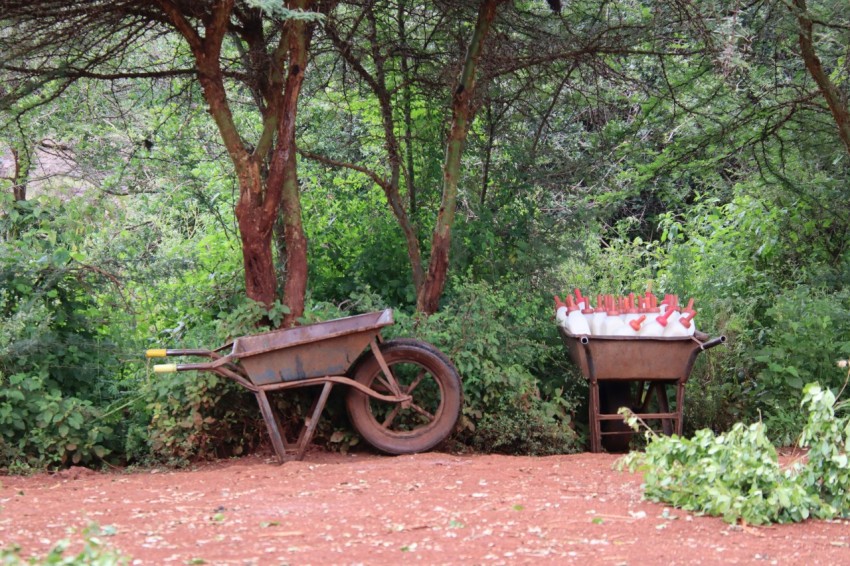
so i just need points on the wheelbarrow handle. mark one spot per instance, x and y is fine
(162, 352)
(713, 342)
(164, 368)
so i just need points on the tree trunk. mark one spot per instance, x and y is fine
(261, 199)
(257, 258)
(378, 84)
(407, 97)
(21, 174)
(429, 297)
(284, 171)
(829, 91)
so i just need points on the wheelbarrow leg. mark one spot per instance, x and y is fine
(312, 421)
(664, 407)
(595, 425)
(272, 424)
(680, 405)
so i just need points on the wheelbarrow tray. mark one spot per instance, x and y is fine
(632, 357)
(304, 352)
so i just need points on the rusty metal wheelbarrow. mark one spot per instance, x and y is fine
(404, 395)
(612, 365)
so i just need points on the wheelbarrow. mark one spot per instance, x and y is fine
(403, 396)
(625, 371)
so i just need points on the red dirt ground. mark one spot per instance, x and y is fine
(367, 509)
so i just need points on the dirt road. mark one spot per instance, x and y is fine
(367, 509)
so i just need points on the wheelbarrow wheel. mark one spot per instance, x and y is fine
(424, 373)
(612, 396)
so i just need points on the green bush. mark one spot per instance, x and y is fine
(805, 332)
(736, 475)
(191, 416)
(195, 416)
(58, 362)
(504, 345)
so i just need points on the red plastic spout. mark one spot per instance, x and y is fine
(558, 302)
(662, 320)
(571, 304)
(630, 304)
(690, 307)
(611, 309)
(580, 299)
(636, 323)
(686, 318)
(649, 300)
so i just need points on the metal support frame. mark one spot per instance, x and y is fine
(286, 451)
(671, 421)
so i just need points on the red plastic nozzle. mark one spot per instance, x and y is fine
(636, 323)
(579, 298)
(662, 320)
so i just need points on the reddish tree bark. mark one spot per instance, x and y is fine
(295, 286)
(261, 198)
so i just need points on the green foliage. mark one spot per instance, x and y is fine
(736, 475)
(519, 426)
(94, 552)
(347, 252)
(56, 353)
(196, 416)
(806, 333)
(496, 335)
(827, 470)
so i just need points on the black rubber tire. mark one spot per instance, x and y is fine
(612, 396)
(437, 391)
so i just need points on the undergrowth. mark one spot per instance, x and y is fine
(93, 553)
(737, 476)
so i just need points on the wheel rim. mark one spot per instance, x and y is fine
(411, 418)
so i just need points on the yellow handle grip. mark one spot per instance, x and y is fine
(164, 368)
(156, 353)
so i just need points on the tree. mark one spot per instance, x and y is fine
(377, 81)
(428, 300)
(835, 99)
(47, 46)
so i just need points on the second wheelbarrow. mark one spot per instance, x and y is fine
(404, 395)
(612, 364)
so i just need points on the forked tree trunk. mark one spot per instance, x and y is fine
(428, 300)
(261, 199)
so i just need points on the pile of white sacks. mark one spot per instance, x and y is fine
(632, 315)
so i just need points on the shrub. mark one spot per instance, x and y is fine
(803, 334)
(57, 361)
(503, 343)
(736, 475)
